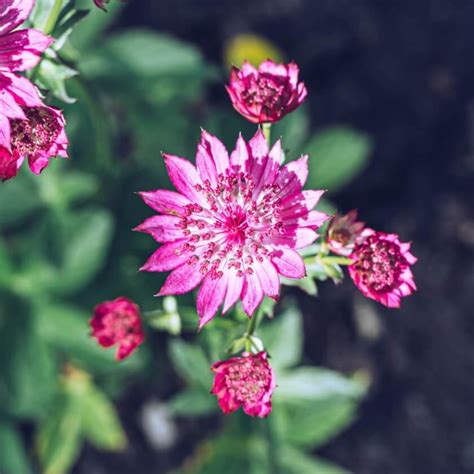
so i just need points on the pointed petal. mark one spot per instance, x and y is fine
(13, 13)
(165, 202)
(293, 176)
(295, 238)
(181, 280)
(24, 92)
(252, 294)
(234, 290)
(162, 228)
(289, 263)
(210, 297)
(185, 177)
(241, 157)
(259, 146)
(217, 151)
(166, 258)
(38, 163)
(268, 277)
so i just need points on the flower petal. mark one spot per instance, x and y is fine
(241, 157)
(166, 258)
(165, 202)
(252, 294)
(13, 13)
(289, 263)
(162, 228)
(23, 91)
(293, 176)
(268, 277)
(181, 280)
(234, 290)
(210, 297)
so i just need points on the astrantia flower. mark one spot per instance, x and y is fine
(343, 232)
(40, 137)
(234, 225)
(246, 382)
(267, 94)
(20, 50)
(118, 322)
(381, 268)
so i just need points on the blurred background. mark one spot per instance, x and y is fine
(390, 116)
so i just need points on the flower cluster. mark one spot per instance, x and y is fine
(28, 128)
(118, 322)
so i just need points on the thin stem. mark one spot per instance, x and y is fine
(266, 127)
(53, 17)
(337, 260)
(254, 322)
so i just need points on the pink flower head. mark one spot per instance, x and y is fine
(101, 4)
(40, 137)
(20, 50)
(381, 268)
(343, 232)
(118, 322)
(246, 381)
(266, 95)
(234, 225)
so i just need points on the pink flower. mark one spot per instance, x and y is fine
(20, 50)
(234, 225)
(101, 4)
(118, 322)
(267, 94)
(381, 268)
(343, 232)
(246, 381)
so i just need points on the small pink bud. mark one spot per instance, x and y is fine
(343, 232)
(118, 322)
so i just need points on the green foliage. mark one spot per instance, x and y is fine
(13, 459)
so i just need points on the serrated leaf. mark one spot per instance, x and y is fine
(337, 155)
(191, 363)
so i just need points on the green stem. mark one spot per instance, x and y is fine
(53, 17)
(266, 127)
(337, 260)
(254, 322)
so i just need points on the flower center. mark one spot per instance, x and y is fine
(231, 232)
(37, 133)
(247, 381)
(267, 92)
(380, 264)
(342, 236)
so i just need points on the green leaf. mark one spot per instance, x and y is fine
(293, 130)
(283, 338)
(294, 461)
(307, 284)
(191, 363)
(13, 459)
(193, 402)
(337, 155)
(52, 76)
(27, 380)
(100, 423)
(39, 15)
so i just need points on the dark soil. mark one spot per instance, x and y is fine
(403, 72)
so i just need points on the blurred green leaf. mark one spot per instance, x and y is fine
(294, 461)
(307, 284)
(191, 363)
(27, 377)
(283, 338)
(13, 459)
(39, 15)
(337, 155)
(293, 130)
(193, 402)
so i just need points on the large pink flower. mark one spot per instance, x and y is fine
(246, 381)
(381, 268)
(235, 224)
(267, 94)
(118, 322)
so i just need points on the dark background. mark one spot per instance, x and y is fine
(403, 72)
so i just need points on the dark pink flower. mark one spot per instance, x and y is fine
(118, 322)
(343, 232)
(235, 225)
(381, 268)
(246, 382)
(39, 137)
(101, 4)
(267, 94)
(20, 50)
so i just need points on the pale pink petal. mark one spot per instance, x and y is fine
(4, 132)
(312, 219)
(268, 277)
(166, 258)
(292, 177)
(162, 228)
(269, 67)
(165, 202)
(296, 238)
(259, 146)
(241, 157)
(217, 151)
(185, 177)
(13, 13)
(185, 278)
(234, 290)
(299, 203)
(210, 297)
(21, 50)
(288, 262)
(252, 294)
(38, 163)
(22, 89)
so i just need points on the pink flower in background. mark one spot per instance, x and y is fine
(40, 137)
(267, 94)
(101, 4)
(343, 232)
(381, 268)
(118, 322)
(235, 224)
(246, 382)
